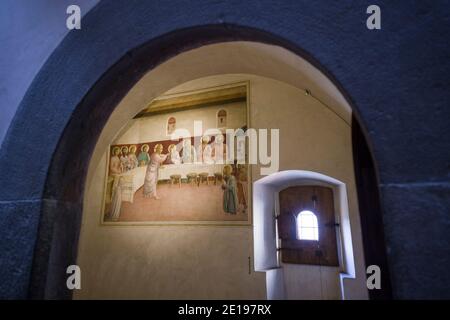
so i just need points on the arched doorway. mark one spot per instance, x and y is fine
(70, 133)
(287, 72)
(229, 248)
(411, 177)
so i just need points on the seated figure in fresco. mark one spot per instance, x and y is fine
(219, 149)
(151, 175)
(115, 166)
(188, 152)
(230, 198)
(204, 153)
(132, 159)
(144, 157)
(174, 155)
(124, 159)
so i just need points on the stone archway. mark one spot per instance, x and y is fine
(249, 57)
(264, 94)
(60, 120)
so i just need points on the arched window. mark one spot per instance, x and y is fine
(171, 125)
(307, 226)
(221, 119)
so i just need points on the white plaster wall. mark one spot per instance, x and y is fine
(212, 261)
(304, 282)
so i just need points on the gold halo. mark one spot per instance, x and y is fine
(219, 138)
(206, 139)
(115, 149)
(227, 168)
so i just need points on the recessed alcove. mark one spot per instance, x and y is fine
(265, 199)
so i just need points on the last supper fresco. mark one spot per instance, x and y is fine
(182, 159)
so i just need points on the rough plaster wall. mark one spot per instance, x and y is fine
(211, 262)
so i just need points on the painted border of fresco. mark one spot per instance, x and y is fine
(242, 223)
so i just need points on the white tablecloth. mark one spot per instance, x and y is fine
(132, 180)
